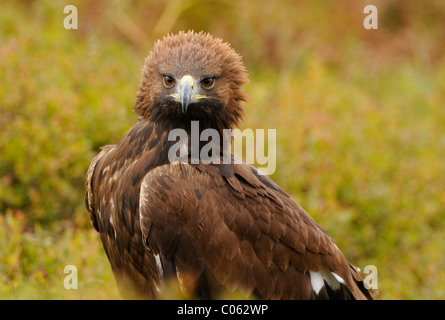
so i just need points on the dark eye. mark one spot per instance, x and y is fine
(208, 83)
(169, 82)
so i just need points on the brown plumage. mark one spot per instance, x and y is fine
(211, 227)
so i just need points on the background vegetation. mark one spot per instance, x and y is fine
(359, 115)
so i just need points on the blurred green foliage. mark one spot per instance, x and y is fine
(359, 115)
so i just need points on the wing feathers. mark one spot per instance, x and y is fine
(249, 236)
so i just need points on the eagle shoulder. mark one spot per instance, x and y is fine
(225, 226)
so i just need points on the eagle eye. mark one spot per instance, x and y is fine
(169, 81)
(208, 83)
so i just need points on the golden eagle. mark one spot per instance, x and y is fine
(216, 227)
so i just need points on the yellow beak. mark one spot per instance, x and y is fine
(187, 92)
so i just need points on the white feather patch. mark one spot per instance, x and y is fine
(181, 282)
(338, 278)
(156, 286)
(330, 280)
(159, 265)
(316, 281)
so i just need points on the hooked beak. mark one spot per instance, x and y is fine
(187, 94)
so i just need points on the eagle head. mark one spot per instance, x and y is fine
(192, 76)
